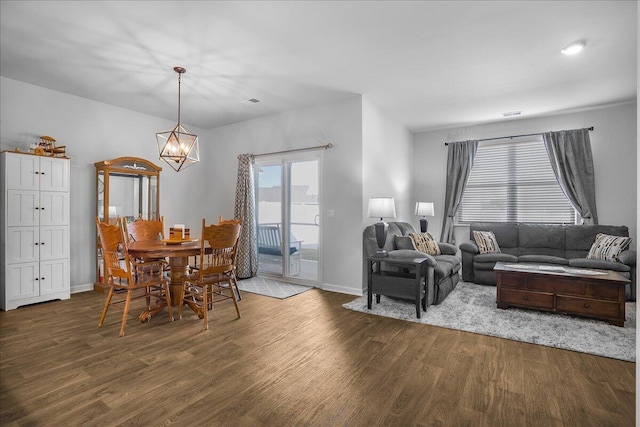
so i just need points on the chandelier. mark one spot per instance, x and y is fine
(178, 147)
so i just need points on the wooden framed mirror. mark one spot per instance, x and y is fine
(128, 188)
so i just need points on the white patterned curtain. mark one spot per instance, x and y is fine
(245, 208)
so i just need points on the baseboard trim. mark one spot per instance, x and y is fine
(81, 288)
(341, 289)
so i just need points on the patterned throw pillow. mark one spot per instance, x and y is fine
(486, 242)
(608, 247)
(424, 243)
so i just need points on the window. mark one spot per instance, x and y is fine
(514, 182)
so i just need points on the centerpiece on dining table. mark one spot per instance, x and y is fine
(178, 234)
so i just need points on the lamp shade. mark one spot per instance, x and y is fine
(425, 208)
(382, 207)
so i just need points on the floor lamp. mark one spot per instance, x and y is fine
(381, 207)
(425, 209)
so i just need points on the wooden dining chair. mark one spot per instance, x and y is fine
(235, 280)
(145, 229)
(193, 266)
(229, 221)
(149, 283)
(213, 281)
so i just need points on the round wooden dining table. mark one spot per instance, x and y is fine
(178, 254)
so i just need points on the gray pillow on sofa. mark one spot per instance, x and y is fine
(403, 242)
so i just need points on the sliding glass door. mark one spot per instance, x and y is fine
(288, 202)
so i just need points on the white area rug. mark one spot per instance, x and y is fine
(472, 308)
(271, 287)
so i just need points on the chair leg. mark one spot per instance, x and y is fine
(204, 307)
(125, 313)
(233, 296)
(107, 302)
(235, 285)
(209, 289)
(181, 304)
(167, 295)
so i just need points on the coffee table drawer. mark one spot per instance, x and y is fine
(603, 291)
(588, 307)
(529, 299)
(558, 284)
(513, 280)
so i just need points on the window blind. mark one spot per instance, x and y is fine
(513, 182)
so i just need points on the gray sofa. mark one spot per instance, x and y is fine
(543, 243)
(444, 271)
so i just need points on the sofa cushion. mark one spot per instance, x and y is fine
(599, 264)
(404, 242)
(608, 248)
(451, 259)
(488, 261)
(541, 239)
(486, 242)
(546, 259)
(581, 237)
(495, 257)
(424, 242)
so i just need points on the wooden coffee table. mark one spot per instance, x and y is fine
(585, 292)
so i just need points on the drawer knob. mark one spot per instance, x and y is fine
(587, 305)
(526, 298)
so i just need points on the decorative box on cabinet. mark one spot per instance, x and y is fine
(34, 197)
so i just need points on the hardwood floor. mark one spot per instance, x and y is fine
(300, 361)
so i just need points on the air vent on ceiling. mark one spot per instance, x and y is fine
(253, 100)
(512, 113)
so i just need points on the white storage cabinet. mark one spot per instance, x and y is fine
(35, 229)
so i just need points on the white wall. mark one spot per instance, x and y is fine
(613, 143)
(338, 123)
(92, 132)
(387, 148)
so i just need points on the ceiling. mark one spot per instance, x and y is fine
(427, 65)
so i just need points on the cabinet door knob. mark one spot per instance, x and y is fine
(37, 243)
(42, 243)
(37, 278)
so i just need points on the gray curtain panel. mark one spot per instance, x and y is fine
(572, 162)
(245, 208)
(459, 163)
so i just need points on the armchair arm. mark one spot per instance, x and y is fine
(628, 257)
(470, 247)
(447, 248)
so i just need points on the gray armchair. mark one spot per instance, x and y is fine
(446, 267)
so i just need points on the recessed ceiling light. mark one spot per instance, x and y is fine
(573, 48)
